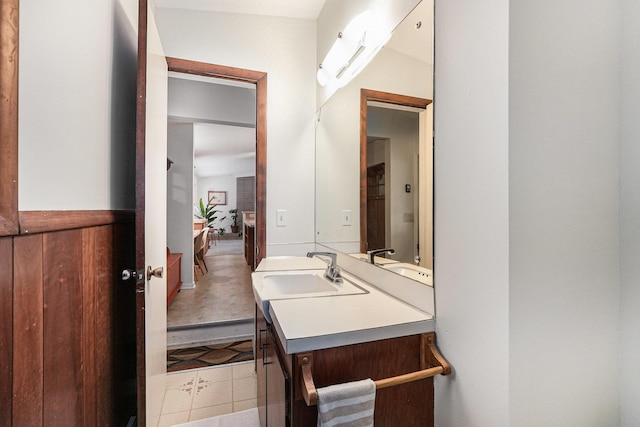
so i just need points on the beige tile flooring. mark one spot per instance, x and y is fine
(195, 394)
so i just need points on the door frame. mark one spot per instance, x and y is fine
(367, 95)
(258, 78)
(9, 117)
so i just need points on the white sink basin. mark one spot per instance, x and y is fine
(274, 285)
(297, 284)
(411, 271)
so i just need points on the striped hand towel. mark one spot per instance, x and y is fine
(350, 404)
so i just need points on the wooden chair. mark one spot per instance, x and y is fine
(204, 247)
(213, 236)
(198, 243)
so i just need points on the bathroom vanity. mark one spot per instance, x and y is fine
(315, 339)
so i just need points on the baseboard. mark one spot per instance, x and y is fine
(180, 336)
(187, 286)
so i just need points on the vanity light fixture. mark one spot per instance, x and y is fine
(354, 47)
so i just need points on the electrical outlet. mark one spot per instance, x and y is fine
(346, 217)
(281, 218)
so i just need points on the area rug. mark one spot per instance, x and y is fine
(209, 355)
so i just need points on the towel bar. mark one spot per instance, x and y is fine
(310, 394)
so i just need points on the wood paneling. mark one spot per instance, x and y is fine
(66, 327)
(9, 117)
(28, 332)
(89, 269)
(62, 314)
(6, 329)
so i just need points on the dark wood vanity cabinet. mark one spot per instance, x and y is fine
(273, 383)
(279, 379)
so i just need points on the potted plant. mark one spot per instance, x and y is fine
(234, 217)
(207, 212)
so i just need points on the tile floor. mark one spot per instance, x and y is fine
(195, 394)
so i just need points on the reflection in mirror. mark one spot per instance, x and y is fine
(395, 176)
(393, 207)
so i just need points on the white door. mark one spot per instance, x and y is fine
(151, 239)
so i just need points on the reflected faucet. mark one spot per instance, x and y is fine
(372, 253)
(333, 270)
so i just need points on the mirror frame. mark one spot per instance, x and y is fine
(367, 95)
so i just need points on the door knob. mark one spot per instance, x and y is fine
(156, 272)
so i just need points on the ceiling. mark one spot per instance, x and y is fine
(307, 9)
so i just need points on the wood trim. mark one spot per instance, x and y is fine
(258, 78)
(367, 95)
(47, 221)
(9, 117)
(187, 66)
(141, 125)
(261, 170)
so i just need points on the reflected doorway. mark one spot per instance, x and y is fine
(395, 169)
(216, 152)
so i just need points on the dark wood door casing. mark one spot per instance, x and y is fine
(260, 80)
(367, 95)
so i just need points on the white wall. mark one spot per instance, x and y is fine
(527, 296)
(77, 104)
(472, 211)
(401, 128)
(564, 88)
(180, 197)
(284, 48)
(226, 183)
(630, 214)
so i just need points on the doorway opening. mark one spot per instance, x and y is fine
(216, 187)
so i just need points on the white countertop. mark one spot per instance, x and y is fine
(305, 324)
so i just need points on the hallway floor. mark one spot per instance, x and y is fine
(223, 294)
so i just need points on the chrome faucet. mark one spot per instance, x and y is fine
(372, 253)
(333, 270)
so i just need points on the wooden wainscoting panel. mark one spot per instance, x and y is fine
(89, 338)
(63, 304)
(6, 330)
(27, 331)
(99, 263)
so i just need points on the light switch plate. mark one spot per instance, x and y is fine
(346, 217)
(281, 218)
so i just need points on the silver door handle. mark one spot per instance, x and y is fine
(156, 272)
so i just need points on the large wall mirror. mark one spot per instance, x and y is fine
(374, 165)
